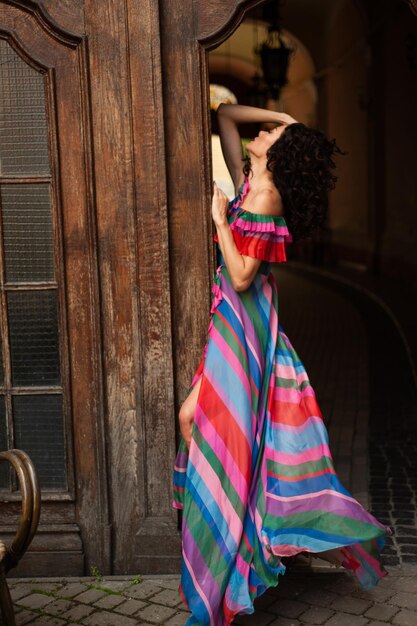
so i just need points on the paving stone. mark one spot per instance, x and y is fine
(178, 619)
(35, 600)
(116, 585)
(102, 618)
(71, 589)
(89, 596)
(57, 607)
(143, 590)
(110, 601)
(258, 618)
(18, 590)
(283, 621)
(167, 597)
(404, 599)
(341, 585)
(287, 608)
(318, 597)
(345, 619)
(171, 583)
(405, 618)
(374, 623)
(45, 586)
(393, 573)
(161, 581)
(264, 601)
(377, 594)
(289, 588)
(349, 604)
(49, 621)
(156, 613)
(406, 584)
(24, 617)
(316, 615)
(381, 612)
(130, 606)
(77, 612)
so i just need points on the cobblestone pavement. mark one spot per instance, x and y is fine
(331, 598)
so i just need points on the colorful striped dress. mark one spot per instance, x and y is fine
(258, 482)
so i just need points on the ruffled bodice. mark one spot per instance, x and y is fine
(257, 235)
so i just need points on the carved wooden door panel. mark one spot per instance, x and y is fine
(49, 370)
(188, 30)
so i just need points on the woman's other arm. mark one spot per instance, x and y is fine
(241, 267)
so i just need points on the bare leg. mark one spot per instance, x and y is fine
(186, 413)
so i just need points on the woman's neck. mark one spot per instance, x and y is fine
(261, 176)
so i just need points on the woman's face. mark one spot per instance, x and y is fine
(260, 144)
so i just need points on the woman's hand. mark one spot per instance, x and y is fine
(242, 268)
(219, 206)
(286, 119)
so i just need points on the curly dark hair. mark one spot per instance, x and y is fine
(301, 162)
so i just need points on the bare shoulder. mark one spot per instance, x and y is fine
(267, 202)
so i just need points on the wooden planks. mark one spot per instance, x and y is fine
(188, 170)
(134, 171)
(134, 269)
(61, 56)
(114, 202)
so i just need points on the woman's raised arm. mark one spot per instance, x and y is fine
(229, 116)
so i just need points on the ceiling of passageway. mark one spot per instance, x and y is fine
(308, 20)
(306, 10)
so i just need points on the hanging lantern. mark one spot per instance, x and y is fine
(256, 92)
(275, 55)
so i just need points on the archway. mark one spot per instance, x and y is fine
(235, 64)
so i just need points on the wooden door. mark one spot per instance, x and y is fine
(101, 200)
(50, 376)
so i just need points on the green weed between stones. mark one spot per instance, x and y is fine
(137, 580)
(95, 572)
(105, 589)
(43, 592)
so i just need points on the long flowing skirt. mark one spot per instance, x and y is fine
(258, 482)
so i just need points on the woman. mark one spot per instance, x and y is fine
(254, 475)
